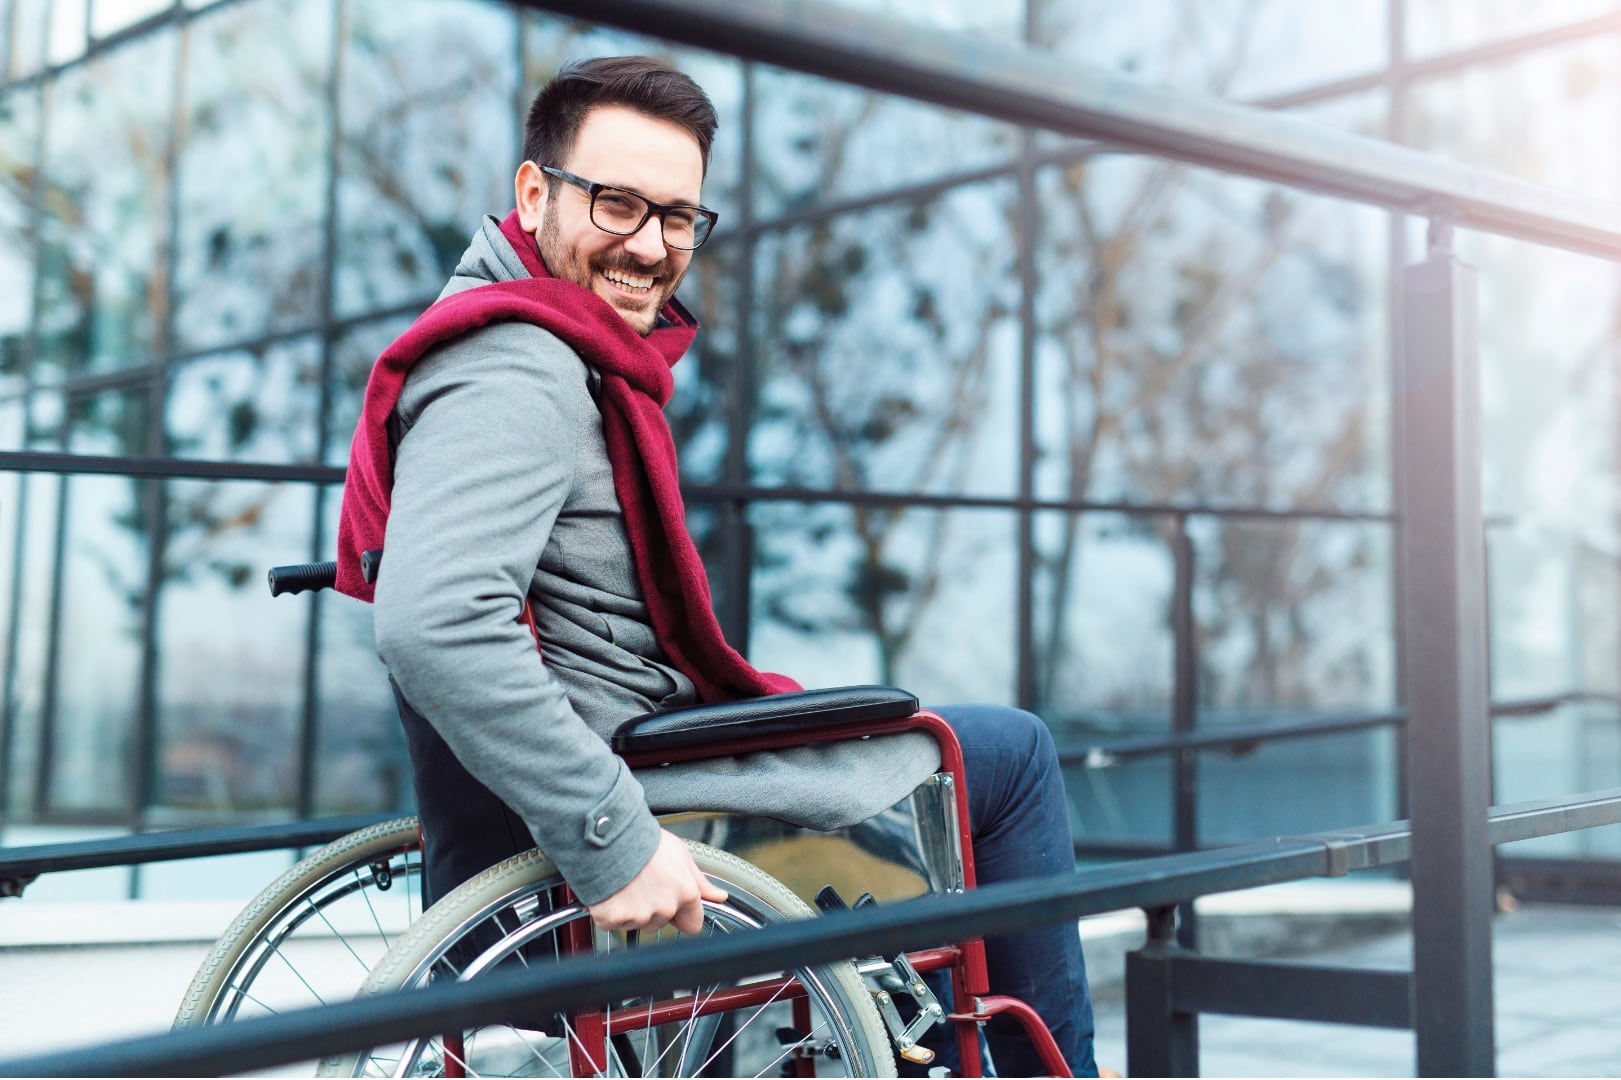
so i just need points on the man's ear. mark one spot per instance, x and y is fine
(530, 188)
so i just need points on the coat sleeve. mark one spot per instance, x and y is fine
(482, 470)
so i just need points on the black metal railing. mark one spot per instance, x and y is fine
(1166, 985)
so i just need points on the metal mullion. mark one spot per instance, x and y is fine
(1027, 691)
(47, 723)
(1185, 715)
(30, 357)
(737, 538)
(1396, 260)
(309, 734)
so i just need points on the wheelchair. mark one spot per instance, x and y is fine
(343, 920)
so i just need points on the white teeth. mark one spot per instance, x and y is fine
(628, 281)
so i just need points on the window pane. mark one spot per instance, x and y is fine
(997, 19)
(705, 379)
(428, 142)
(27, 41)
(1555, 756)
(98, 671)
(1292, 616)
(917, 598)
(1207, 339)
(104, 590)
(888, 350)
(1230, 48)
(36, 559)
(550, 42)
(1531, 116)
(110, 16)
(19, 125)
(1124, 803)
(107, 188)
(1445, 25)
(1310, 785)
(1104, 652)
(247, 406)
(231, 659)
(360, 761)
(253, 171)
(352, 358)
(67, 38)
(819, 141)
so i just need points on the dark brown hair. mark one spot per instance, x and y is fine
(642, 83)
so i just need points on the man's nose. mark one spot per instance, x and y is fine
(647, 243)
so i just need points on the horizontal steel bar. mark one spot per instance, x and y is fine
(174, 844)
(1024, 85)
(40, 461)
(1103, 753)
(1280, 991)
(926, 921)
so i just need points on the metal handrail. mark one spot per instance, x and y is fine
(21, 865)
(1025, 85)
(930, 920)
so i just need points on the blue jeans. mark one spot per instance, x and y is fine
(1019, 817)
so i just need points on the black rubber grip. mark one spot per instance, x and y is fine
(304, 577)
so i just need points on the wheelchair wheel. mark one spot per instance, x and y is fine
(312, 935)
(816, 1021)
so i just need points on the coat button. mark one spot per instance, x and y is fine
(602, 825)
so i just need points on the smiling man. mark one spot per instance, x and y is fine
(513, 459)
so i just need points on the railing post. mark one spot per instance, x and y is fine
(1444, 663)
(1160, 1040)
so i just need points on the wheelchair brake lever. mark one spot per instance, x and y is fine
(896, 976)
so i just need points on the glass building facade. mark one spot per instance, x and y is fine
(978, 410)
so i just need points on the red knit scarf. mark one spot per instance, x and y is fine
(636, 385)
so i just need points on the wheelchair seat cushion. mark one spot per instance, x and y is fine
(804, 711)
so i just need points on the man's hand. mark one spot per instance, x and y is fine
(669, 889)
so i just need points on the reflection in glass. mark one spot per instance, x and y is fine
(888, 350)
(67, 32)
(819, 141)
(1229, 48)
(1128, 803)
(1207, 339)
(1446, 25)
(705, 379)
(110, 16)
(428, 142)
(98, 668)
(1292, 615)
(1531, 116)
(19, 120)
(1553, 612)
(106, 187)
(247, 406)
(230, 658)
(352, 358)
(253, 169)
(26, 43)
(1311, 785)
(360, 762)
(1104, 652)
(39, 502)
(549, 42)
(900, 595)
(1556, 755)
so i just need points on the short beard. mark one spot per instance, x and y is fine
(554, 253)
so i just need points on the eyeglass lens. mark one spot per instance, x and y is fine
(625, 212)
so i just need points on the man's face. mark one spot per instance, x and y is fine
(637, 274)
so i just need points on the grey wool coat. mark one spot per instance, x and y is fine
(502, 488)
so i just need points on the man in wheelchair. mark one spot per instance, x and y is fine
(513, 460)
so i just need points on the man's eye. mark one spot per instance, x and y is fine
(681, 219)
(619, 204)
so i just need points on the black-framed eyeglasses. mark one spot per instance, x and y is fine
(623, 213)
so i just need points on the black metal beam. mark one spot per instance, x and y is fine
(26, 863)
(1280, 991)
(1031, 87)
(1445, 664)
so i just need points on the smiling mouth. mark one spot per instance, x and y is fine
(634, 284)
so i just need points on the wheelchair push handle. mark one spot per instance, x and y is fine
(311, 577)
(304, 577)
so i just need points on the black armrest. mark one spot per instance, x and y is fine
(808, 710)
